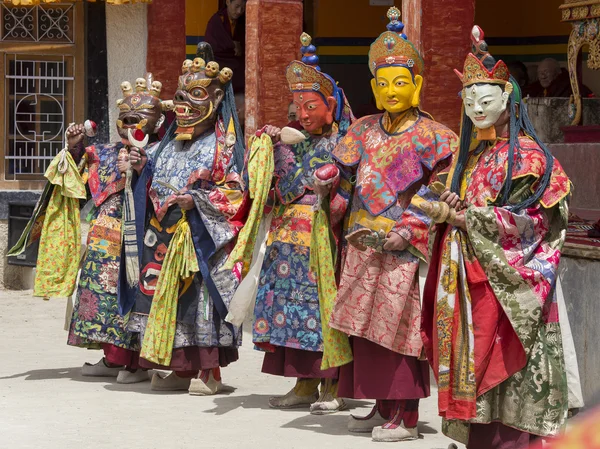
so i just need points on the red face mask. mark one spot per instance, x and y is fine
(312, 112)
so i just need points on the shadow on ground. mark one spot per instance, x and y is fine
(58, 373)
(225, 405)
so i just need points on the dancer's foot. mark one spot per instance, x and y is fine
(205, 384)
(100, 369)
(399, 433)
(292, 400)
(328, 401)
(132, 377)
(169, 382)
(367, 423)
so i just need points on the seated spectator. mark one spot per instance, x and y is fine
(519, 72)
(226, 33)
(554, 81)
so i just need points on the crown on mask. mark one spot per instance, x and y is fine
(211, 70)
(306, 75)
(478, 62)
(143, 87)
(392, 48)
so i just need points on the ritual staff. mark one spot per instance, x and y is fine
(378, 304)
(289, 323)
(98, 320)
(490, 316)
(189, 193)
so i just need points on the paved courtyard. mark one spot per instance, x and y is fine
(45, 403)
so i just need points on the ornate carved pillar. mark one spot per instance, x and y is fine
(273, 29)
(585, 18)
(442, 36)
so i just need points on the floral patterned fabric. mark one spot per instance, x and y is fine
(104, 178)
(388, 164)
(60, 242)
(287, 310)
(181, 165)
(96, 317)
(378, 297)
(336, 345)
(260, 175)
(490, 317)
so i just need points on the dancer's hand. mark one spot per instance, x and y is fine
(274, 133)
(75, 135)
(395, 242)
(123, 165)
(185, 201)
(451, 199)
(460, 221)
(138, 159)
(322, 189)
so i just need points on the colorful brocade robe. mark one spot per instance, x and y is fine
(378, 297)
(202, 168)
(490, 316)
(287, 311)
(96, 318)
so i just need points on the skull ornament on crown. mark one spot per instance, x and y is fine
(199, 94)
(140, 108)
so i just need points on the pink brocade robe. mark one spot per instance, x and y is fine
(378, 297)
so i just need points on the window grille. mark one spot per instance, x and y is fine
(41, 23)
(39, 101)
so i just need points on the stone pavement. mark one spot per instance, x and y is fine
(45, 403)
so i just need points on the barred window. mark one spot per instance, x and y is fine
(39, 102)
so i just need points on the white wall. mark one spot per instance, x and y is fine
(126, 42)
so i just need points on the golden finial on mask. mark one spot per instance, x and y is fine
(186, 67)
(156, 88)
(141, 85)
(225, 75)
(212, 69)
(126, 88)
(198, 64)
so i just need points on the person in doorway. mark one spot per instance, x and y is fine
(226, 34)
(554, 81)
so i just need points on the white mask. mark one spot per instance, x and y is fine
(484, 104)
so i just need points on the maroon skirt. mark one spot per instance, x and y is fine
(194, 358)
(378, 373)
(289, 362)
(121, 356)
(498, 436)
